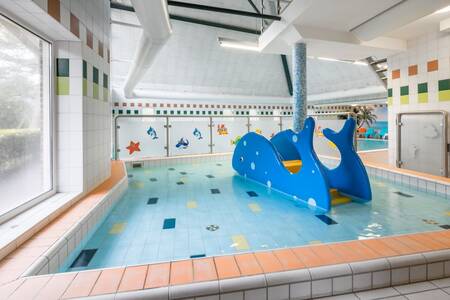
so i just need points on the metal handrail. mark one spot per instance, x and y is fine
(211, 119)
(167, 126)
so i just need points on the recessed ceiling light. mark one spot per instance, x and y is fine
(242, 45)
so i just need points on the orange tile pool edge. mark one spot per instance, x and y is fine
(134, 278)
(17, 262)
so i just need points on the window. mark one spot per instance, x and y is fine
(26, 159)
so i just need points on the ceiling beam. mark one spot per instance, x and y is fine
(124, 7)
(223, 10)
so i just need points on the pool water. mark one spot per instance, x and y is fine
(371, 144)
(205, 209)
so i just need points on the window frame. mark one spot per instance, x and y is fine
(51, 122)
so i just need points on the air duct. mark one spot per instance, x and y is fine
(156, 30)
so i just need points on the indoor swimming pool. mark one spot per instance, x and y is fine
(371, 144)
(205, 209)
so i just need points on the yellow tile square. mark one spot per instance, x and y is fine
(423, 98)
(117, 228)
(137, 185)
(444, 95)
(240, 242)
(254, 207)
(191, 204)
(404, 99)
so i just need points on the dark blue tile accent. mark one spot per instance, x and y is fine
(404, 194)
(180, 182)
(84, 258)
(215, 191)
(445, 226)
(137, 165)
(197, 255)
(171, 169)
(130, 175)
(252, 194)
(153, 179)
(219, 165)
(169, 223)
(183, 173)
(326, 219)
(210, 176)
(152, 200)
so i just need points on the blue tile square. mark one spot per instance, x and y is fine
(197, 255)
(326, 219)
(404, 194)
(171, 169)
(153, 179)
(210, 176)
(84, 258)
(169, 223)
(152, 200)
(215, 191)
(252, 194)
(183, 173)
(180, 182)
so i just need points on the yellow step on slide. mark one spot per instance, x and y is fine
(337, 198)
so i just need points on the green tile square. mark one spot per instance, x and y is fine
(422, 88)
(444, 84)
(404, 90)
(95, 75)
(62, 67)
(84, 69)
(389, 92)
(62, 86)
(105, 80)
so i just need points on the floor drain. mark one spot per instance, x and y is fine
(212, 227)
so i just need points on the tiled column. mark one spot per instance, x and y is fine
(299, 85)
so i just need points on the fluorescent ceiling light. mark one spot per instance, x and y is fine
(359, 63)
(443, 10)
(242, 45)
(328, 58)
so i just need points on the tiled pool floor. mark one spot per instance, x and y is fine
(204, 209)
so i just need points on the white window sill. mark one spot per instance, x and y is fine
(20, 228)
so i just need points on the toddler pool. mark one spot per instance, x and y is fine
(205, 209)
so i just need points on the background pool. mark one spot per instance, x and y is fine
(192, 210)
(371, 144)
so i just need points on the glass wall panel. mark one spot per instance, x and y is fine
(25, 143)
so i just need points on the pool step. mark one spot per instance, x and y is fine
(293, 165)
(337, 198)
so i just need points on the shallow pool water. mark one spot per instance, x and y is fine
(205, 209)
(371, 144)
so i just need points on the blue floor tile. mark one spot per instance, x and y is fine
(169, 223)
(327, 220)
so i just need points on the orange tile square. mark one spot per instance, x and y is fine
(308, 257)
(157, 275)
(397, 246)
(9, 288)
(412, 70)
(55, 288)
(133, 278)
(396, 74)
(30, 288)
(248, 265)
(379, 247)
(327, 256)
(204, 269)
(432, 65)
(268, 261)
(226, 267)
(412, 244)
(107, 282)
(74, 25)
(181, 272)
(82, 284)
(288, 259)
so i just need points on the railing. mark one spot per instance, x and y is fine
(152, 136)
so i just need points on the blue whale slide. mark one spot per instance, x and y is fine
(288, 163)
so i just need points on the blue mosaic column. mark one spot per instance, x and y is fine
(299, 85)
